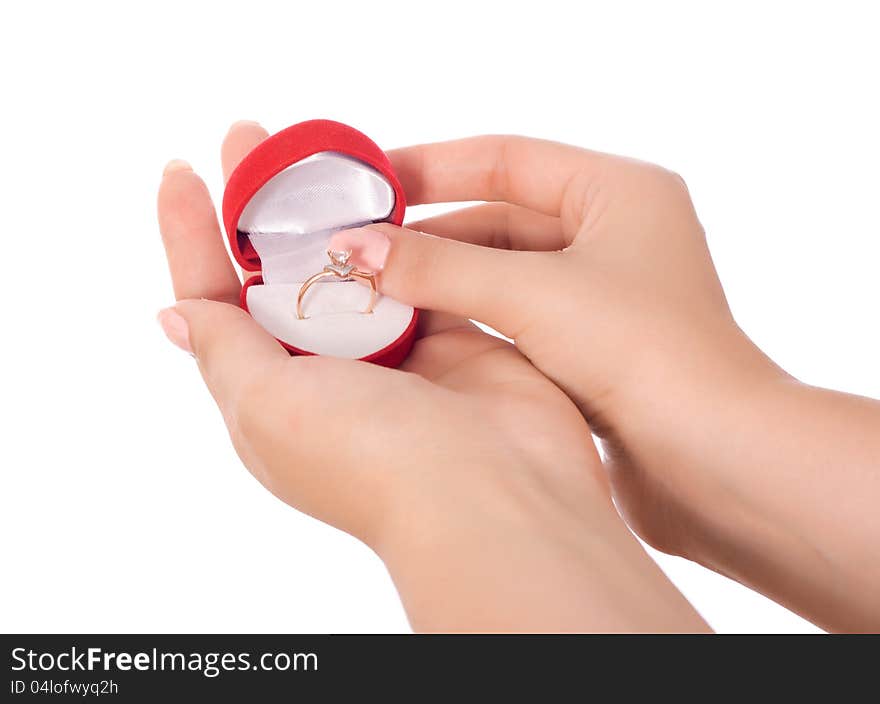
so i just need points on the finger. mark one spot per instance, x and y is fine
(242, 137)
(548, 177)
(498, 225)
(494, 286)
(232, 350)
(432, 322)
(197, 258)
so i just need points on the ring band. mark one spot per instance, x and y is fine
(341, 270)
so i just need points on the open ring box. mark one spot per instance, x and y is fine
(281, 206)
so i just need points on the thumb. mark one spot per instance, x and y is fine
(230, 346)
(489, 285)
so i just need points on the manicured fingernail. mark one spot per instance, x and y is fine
(175, 328)
(176, 165)
(369, 246)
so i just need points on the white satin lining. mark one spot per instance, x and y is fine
(291, 218)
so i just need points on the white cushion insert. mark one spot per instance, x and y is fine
(334, 326)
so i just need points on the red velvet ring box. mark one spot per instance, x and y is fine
(281, 206)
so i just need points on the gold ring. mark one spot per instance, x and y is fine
(341, 270)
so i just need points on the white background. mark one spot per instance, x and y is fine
(123, 506)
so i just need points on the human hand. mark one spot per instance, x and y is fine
(465, 470)
(713, 452)
(612, 293)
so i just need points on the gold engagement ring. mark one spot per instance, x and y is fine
(340, 270)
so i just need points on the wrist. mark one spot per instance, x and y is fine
(470, 555)
(510, 490)
(683, 384)
(545, 557)
(683, 412)
(691, 371)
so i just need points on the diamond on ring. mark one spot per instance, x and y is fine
(339, 263)
(341, 270)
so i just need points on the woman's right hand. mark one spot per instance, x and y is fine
(595, 265)
(713, 451)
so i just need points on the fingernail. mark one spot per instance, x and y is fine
(175, 328)
(244, 123)
(176, 165)
(369, 246)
